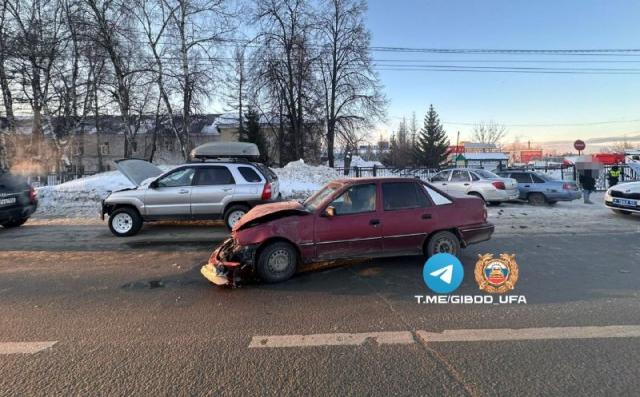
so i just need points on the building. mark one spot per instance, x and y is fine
(91, 147)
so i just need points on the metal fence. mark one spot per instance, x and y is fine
(566, 172)
(54, 179)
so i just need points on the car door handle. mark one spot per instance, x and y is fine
(443, 184)
(527, 185)
(374, 222)
(183, 191)
(467, 184)
(426, 216)
(227, 189)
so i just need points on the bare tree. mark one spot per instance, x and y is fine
(489, 132)
(7, 98)
(40, 29)
(284, 65)
(352, 93)
(112, 22)
(198, 26)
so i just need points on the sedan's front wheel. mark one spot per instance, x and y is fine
(443, 243)
(277, 262)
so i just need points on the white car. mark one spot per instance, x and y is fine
(486, 185)
(624, 198)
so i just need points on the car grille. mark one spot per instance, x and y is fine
(617, 193)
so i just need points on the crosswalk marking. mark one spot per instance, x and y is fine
(25, 347)
(459, 335)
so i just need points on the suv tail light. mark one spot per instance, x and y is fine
(32, 194)
(498, 185)
(266, 191)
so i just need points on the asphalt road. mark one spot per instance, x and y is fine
(134, 317)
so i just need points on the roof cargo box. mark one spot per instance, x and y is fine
(217, 150)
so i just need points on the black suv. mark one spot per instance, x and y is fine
(17, 200)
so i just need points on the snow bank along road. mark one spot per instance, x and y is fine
(86, 313)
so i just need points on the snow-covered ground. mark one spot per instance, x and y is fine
(79, 202)
(563, 217)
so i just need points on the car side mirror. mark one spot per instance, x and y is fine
(329, 212)
(153, 185)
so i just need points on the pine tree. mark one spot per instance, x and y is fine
(252, 132)
(432, 145)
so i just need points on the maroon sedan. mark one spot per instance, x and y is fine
(351, 218)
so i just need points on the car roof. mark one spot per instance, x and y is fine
(354, 181)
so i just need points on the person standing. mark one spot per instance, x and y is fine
(614, 175)
(588, 185)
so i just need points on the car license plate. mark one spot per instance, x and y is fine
(7, 201)
(626, 202)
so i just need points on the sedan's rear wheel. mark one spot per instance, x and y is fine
(443, 243)
(125, 222)
(277, 262)
(537, 199)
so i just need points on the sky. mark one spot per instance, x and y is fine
(558, 101)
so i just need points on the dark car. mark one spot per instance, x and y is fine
(17, 200)
(347, 219)
(538, 188)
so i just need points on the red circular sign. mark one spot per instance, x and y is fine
(579, 145)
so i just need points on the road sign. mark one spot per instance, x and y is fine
(579, 145)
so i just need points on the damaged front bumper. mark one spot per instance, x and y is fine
(229, 263)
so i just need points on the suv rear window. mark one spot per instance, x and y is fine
(249, 174)
(214, 176)
(267, 172)
(402, 195)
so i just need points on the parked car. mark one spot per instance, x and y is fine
(486, 185)
(539, 189)
(17, 200)
(624, 198)
(210, 189)
(351, 218)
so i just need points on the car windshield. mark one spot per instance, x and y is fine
(314, 201)
(486, 174)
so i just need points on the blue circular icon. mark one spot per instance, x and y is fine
(443, 273)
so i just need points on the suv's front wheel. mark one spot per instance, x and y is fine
(125, 222)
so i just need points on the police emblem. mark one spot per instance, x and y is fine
(496, 275)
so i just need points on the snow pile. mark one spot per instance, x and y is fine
(81, 197)
(357, 161)
(299, 180)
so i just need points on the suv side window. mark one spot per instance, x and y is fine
(357, 199)
(521, 177)
(220, 175)
(402, 195)
(249, 174)
(441, 176)
(181, 177)
(460, 176)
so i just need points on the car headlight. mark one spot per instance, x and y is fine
(607, 195)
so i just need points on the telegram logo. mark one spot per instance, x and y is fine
(443, 273)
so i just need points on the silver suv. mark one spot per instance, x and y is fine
(195, 191)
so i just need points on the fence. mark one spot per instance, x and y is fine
(54, 179)
(566, 172)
